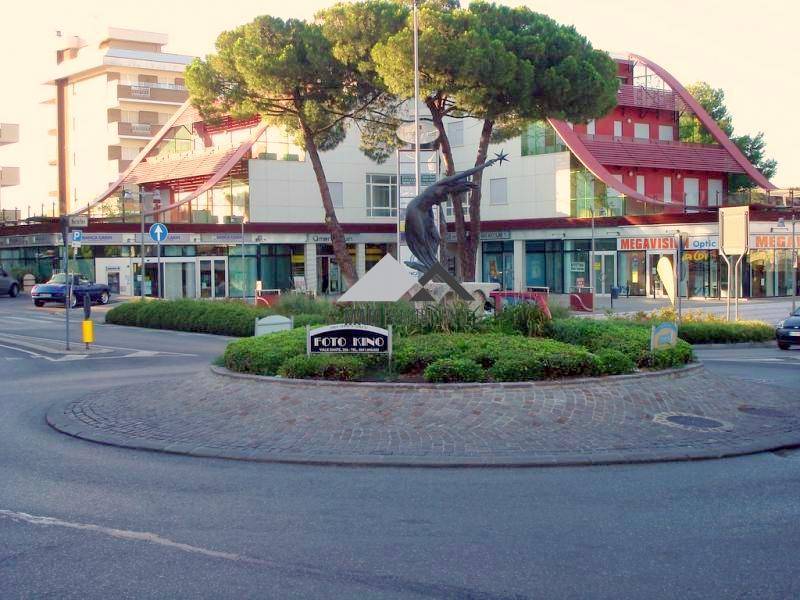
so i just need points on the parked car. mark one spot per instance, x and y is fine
(8, 285)
(787, 332)
(55, 290)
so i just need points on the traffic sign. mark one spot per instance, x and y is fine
(158, 232)
(78, 221)
(77, 236)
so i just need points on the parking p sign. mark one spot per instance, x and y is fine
(77, 238)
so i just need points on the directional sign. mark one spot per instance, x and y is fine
(158, 232)
(77, 236)
(78, 221)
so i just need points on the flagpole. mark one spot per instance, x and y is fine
(416, 102)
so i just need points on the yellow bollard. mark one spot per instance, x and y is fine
(88, 332)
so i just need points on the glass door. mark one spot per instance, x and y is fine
(605, 271)
(212, 277)
(655, 287)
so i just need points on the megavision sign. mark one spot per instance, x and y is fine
(349, 338)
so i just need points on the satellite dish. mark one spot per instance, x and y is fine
(427, 132)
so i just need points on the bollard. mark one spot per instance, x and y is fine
(88, 325)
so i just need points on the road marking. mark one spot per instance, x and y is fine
(129, 535)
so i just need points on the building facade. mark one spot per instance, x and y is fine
(626, 181)
(108, 98)
(9, 176)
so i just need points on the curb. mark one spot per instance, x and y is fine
(55, 419)
(560, 383)
(735, 346)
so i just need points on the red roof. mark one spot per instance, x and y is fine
(181, 166)
(632, 152)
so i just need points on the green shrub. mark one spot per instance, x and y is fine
(672, 357)
(544, 364)
(558, 311)
(407, 320)
(525, 318)
(304, 319)
(614, 362)
(323, 366)
(226, 317)
(295, 303)
(721, 332)
(452, 370)
(265, 354)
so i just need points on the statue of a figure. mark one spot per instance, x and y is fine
(422, 235)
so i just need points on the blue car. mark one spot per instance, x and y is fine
(787, 332)
(55, 290)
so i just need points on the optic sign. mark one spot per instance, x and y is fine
(348, 338)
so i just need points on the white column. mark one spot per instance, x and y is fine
(479, 262)
(311, 267)
(361, 259)
(519, 265)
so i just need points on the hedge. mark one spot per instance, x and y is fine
(323, 366)
(716, 332)
(450, 370)
(228, 317)
(264, 355)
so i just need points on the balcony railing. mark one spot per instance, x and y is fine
(643, 97)
(173, 94)
(647, 141)
(122, 129)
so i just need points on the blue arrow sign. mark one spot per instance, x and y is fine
(158, 232)
(77, 236)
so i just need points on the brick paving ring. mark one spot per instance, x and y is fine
(682, 414)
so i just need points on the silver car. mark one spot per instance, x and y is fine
(8, 285)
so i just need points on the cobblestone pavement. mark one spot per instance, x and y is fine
(619, 419)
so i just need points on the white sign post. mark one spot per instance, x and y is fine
(734, 239)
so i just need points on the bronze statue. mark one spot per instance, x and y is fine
(422, 236)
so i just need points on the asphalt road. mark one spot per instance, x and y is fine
(80, 520)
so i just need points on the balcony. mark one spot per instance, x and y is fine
(135, 130)
(642, 97)
(163, 93)
(9, 176)
(659, 154)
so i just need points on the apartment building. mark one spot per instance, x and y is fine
(9, 176)
(109, 96)
(627, 178)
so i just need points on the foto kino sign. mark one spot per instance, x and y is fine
(348, 338)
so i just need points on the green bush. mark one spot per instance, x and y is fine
(614, 362)
(452, 370)
(295, 303)
(544, 364)
(265, 354)
(220, 317)
(323, 366)
(525, 318)
(628, 337)
(558, 311)
(304, 319)
(716, 332)
(407, 320)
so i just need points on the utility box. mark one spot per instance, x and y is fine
(273, 323)
(28, 281)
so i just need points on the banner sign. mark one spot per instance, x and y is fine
(663, 336)
(348, 338)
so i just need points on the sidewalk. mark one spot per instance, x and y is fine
(682, 415)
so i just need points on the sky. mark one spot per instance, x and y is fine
(747, 48)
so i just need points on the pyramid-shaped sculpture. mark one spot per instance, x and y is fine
(387, 281)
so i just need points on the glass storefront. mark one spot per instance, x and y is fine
(576, 265)
(544, 265)
(498, 264)
(280, 264)
(242, 278)
(632, 273)
(700, 274)
(768, 272)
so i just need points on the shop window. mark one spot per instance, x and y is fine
(498, 263)
(544, 265)
(632, 273)
(590, 127)
(667, 189)
(640, 184)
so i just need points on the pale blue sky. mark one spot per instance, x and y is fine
(747, 48)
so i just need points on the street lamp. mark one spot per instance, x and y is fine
(156, 196)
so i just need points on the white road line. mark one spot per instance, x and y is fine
(134, 536)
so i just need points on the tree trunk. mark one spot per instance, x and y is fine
(471, 247)
(450, 169)
(337, 235)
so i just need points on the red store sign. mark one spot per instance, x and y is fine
(647, 243)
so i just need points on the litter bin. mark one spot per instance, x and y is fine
(615, 292)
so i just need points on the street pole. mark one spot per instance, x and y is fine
(141, 249)
(416, 103)
(794, 255)
(158, 262)
(591, 260)
(244, 270)
(67, 287)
